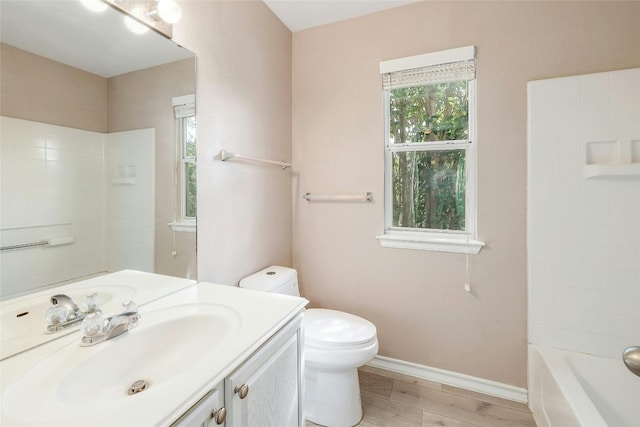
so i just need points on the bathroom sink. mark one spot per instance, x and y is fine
(23, 320)
(167, 345)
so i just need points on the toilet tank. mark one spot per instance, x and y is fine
(280, 280)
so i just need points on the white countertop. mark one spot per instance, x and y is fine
(33, 383)
(20, 332)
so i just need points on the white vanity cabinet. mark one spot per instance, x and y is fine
(196, 348)
(208, 412)
(264, 391)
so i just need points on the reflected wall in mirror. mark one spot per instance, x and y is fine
(91, 154)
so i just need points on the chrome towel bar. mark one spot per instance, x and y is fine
(367, 197)
(226, 155)
(50, 242)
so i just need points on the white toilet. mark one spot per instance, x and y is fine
(336, 344)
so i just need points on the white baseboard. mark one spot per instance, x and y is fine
(451, 378)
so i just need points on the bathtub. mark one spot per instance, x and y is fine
(575, 389)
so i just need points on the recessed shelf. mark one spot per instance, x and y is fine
(594, 171)
(613, 158)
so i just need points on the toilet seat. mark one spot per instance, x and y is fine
(336, 330)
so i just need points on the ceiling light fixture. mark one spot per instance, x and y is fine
(133, 25)
(169, 11)
(157, 14)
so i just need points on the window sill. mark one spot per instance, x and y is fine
(418, 241)
(183, 227)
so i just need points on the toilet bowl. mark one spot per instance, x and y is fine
(336, 344)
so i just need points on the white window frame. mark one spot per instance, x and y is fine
(454, 241)
(184, 107)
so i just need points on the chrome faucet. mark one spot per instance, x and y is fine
(65, 312)
(631, 358)
(64, 301)
(96, 330)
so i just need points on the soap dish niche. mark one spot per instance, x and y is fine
(635, 151)
(124, 174)
(612, 158)
(602, 152)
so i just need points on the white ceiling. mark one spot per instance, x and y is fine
(66, 32)
(302, 14)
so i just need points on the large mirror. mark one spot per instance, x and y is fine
(97, 147)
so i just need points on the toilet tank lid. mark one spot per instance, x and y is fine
(269, 279)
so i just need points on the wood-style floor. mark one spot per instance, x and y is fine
(396, 400)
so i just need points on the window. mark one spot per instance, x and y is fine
(430, 144)
(184, 109)
(188, 169)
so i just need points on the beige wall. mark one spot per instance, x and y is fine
(38, 89)
(142, 99)
(244, 105)
(416, 299)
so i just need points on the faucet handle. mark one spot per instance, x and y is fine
(129, 306)
(92, 324)
(91, 303)
(57, 314)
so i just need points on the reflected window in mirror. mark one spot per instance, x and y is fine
(188, 143)
(184, 108)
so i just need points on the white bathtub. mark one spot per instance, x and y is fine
(575, 389)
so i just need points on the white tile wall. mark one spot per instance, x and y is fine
(583, 234)
(130, 218)
(54, 175)
(50, 175)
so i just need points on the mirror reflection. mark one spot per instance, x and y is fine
(97, 147)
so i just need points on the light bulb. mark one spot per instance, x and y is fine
(169, 11)
(133, 25)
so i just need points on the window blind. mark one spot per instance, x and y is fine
(184, 106)
(439, 67)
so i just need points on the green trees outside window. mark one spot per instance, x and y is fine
(428, 178)
(189, 166)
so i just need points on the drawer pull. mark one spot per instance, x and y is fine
(219, 415)
(242, 390)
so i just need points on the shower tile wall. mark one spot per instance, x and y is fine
(50, 175)
(130, 219)
(58, 181)
(583, 233)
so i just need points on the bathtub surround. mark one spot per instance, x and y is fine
(143, 99)
(78, 184)
(130, 184)
(37, 208)
(584, 233)
(584, 248)
(569, 388)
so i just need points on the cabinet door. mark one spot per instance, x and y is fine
(208, 412)
(265, 391)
